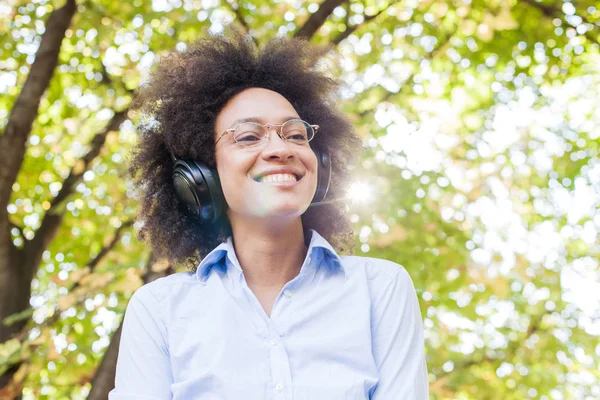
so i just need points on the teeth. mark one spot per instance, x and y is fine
(274, 178)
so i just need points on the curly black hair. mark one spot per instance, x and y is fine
(181, 101)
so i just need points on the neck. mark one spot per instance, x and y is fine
(270, 255)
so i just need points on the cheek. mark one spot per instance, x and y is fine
(233, 172)
(310, 162)
(233, 167)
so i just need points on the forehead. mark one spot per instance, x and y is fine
(262, 105)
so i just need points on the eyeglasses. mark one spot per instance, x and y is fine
(253, 134)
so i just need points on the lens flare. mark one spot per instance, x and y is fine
(360, 192)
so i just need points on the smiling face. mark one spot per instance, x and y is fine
(276, 179)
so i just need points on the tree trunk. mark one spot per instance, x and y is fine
(15, 269)
(15, 290)
(104, 380)
(316, 20)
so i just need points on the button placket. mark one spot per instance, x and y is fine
(278, 366)
(281, 374)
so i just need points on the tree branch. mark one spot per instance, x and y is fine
(347, 16)
(552, 12)
(107, 80)
(235, 8)
(24, 111)
(92, 264)
(351, 29)
(316, 20)
(54, 216)
(106, 249)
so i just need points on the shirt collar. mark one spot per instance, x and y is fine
(317, 240)
(226, 249)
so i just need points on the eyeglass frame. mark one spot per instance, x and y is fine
(268, 126)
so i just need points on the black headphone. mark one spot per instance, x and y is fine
(199, 188)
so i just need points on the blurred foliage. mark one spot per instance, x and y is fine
(480, 123)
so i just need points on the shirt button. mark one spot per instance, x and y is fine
(273, 342)
(309, 259)
(287, 293)
(279, 387)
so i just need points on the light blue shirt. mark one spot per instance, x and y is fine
(345, 328)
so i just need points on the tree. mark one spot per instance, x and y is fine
(478, 125)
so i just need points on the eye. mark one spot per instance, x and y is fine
(296, 136)
(248, 137)
(296, 131)
(249, 132)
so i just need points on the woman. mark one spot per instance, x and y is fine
(241, 142)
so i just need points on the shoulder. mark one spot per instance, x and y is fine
(380, 274)
(373, 268)
(389, 285)
(160, 288)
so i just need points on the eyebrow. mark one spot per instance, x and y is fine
(259, 120)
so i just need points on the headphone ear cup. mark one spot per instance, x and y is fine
(323, 174)
(198, 188)
(217, 199)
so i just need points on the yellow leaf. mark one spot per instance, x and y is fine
(78, 274)
(485, 32)
(468, 27)
(25, 352)
(66, 301)
(78, 327)
(430, 227)
(79, 167)
(505, 20)
(131, 282)
(96, 280)
(86, 279)
(9, 347)
(160, 265)
(41, 339)
(53, 355)
(397, 233)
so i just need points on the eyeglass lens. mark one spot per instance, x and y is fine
(294, 131)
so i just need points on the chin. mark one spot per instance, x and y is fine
(285, 212)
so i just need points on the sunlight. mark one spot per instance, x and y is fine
(360, 192)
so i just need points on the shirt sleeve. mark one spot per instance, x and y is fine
(398, 342)
(143, 365)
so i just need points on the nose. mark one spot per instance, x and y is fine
(276, 147)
